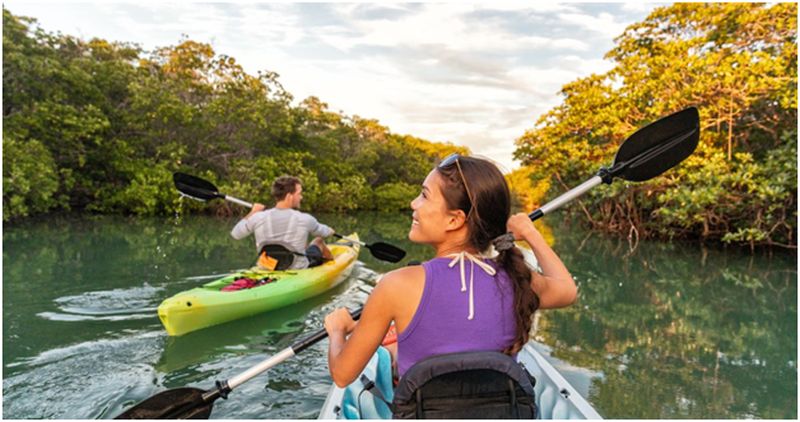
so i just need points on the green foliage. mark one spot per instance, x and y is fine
(351, 193)
(395, 196)
(30, 178)
(741, 200)
(736, 62)
(150, 192)
(116, 122)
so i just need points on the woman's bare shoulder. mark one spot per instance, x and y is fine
(403, 276)
(400, 289)
(401, 280)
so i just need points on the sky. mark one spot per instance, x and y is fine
(474, 74)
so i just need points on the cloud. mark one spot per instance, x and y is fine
(604, 23)
(446, 24)
(478, 75)
(638, 6)
(517, 6)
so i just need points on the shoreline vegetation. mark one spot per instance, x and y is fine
(99, 127)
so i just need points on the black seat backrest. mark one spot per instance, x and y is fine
(469, 385)
(284, 256)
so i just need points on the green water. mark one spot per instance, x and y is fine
(667, 330)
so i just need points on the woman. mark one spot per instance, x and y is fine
(459, 300)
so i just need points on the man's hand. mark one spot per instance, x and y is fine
(256, 208)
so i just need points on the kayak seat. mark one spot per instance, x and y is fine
(466, 385)
(361, 402)
(281, 253)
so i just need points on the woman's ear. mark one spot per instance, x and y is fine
(455, 220)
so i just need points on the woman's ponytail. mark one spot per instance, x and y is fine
(487, 227)
(525, 300)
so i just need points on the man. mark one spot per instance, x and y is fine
(284, 225)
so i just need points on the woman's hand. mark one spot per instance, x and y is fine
(554, 286)
(522, 226)
(339, 321)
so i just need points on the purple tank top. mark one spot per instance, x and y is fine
(441, 325)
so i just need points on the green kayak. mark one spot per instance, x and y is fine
(209, 305)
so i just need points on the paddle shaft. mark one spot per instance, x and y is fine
(203, 190)
(268, 363)
(337, 235)
(192, 403)
(249, 205)
(661, 149)
(238, 201)
(565, 197)
(235, 200)
(380, 250)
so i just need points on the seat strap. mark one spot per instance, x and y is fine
(268, 220)
(513, 390)
(292, 222)
(371, 388)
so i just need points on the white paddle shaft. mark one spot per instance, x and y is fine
(238, 201)
(261, 367)
(571, 194)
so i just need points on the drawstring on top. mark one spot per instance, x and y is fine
(458, 258)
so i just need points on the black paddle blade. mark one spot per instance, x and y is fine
(386, 252)
(195, 187)
(178, 403)
(658, 146)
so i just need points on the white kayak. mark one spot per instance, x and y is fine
(555, 397)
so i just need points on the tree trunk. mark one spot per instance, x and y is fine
(730, 131)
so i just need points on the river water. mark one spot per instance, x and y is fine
(662, 330)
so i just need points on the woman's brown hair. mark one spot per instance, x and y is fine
(492, 201)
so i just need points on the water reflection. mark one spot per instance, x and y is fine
(668, 330)
(702, 333)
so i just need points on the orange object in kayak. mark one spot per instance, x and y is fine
(390, 337)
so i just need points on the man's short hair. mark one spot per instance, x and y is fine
(283, 186)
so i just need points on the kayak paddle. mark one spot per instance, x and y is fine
(203, 190)
(380, 250)
(646, 154)
(194, 403)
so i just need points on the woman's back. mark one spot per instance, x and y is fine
(448, 306)
(442, 324)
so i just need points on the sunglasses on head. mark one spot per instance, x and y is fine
(447, 162)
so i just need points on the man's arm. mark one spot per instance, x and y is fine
(318, 229)
(246, 225)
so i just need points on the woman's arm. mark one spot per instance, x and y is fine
(555, 286)
(347, 357)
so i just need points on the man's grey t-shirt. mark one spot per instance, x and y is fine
(284, 226)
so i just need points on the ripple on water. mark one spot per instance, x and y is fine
(102, 378)
(103, 381)
(108, 305)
